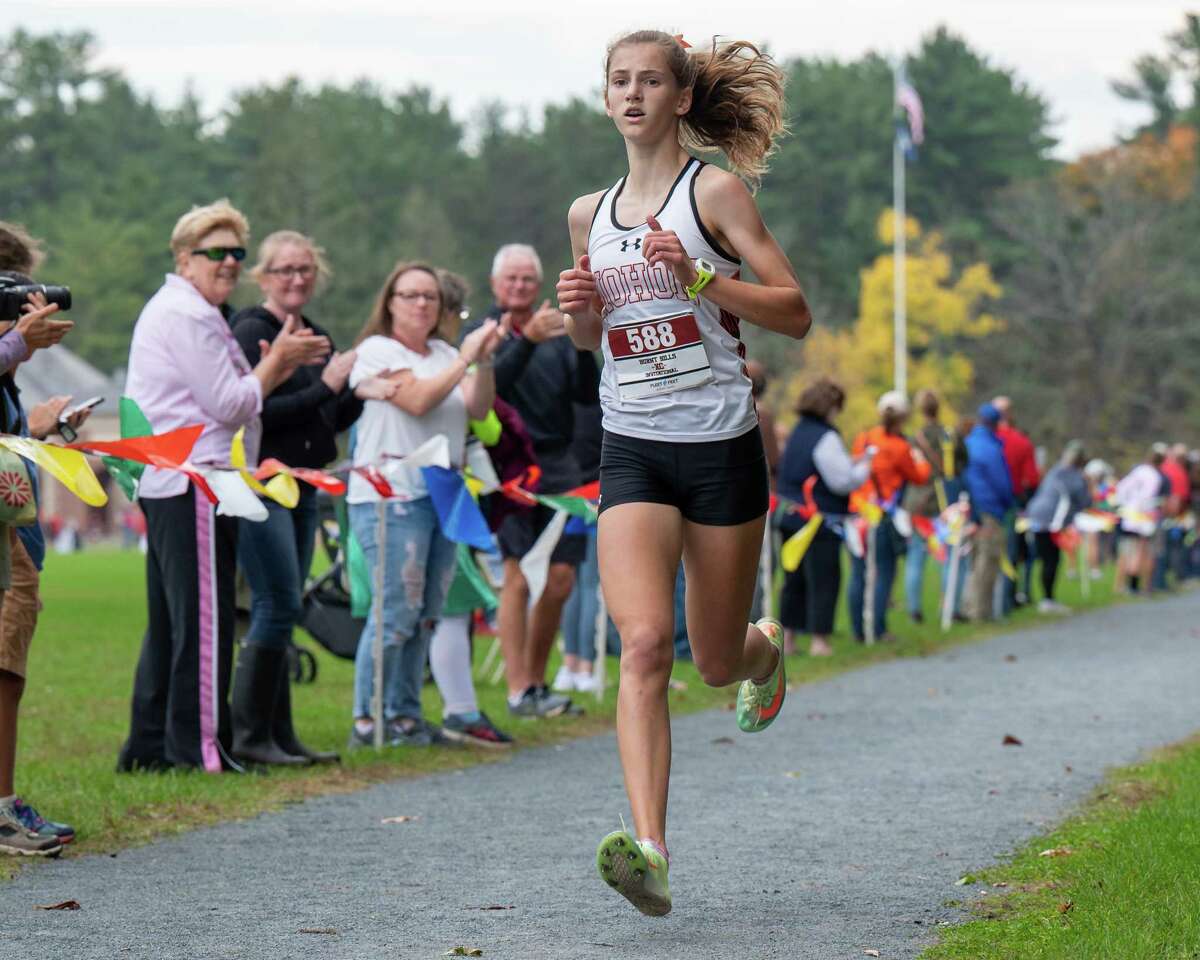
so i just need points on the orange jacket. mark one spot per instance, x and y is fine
(892, 467)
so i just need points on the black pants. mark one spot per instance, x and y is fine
(1049, 554)
(180, 712)
(808, 601)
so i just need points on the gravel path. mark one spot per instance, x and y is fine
(841, 829)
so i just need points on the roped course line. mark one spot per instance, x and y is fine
(843, 828)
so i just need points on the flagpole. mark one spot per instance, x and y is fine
(899, 254)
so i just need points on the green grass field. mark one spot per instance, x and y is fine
(76, 711)
(1121, 880)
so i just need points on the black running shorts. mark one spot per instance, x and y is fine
(718, 484)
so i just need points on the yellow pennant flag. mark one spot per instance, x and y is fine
(1007, 568)
(797, 545)
(282, 488)
(873, 513)
(1022, 525)
(68, 467)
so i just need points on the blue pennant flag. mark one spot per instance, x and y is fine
(457, 511)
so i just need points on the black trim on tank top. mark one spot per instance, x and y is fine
(670, 193)
(596, 212)
(712, 241)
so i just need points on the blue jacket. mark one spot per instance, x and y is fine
(987, 478)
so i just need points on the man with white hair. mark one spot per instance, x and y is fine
(541, 374)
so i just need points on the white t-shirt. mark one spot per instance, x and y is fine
(384, 428)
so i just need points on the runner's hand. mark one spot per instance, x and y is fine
(664, 246)
(577, 289)
(546, 324)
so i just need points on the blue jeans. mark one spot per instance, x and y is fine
(579, 614)
(276, 555)
(419, 566)
(885, 575)
(683, 646)
(914, 572)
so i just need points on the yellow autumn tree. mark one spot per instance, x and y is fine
(944, 311)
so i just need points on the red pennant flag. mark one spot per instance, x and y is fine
(589, 491)
(317, 478)
(170, 449)
(376, 480)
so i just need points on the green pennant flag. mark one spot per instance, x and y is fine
(127, 473)
(575, 506)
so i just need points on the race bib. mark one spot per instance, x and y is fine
(658, 355)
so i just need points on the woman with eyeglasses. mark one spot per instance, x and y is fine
(436, 388)
(300, 423)
(185, 368)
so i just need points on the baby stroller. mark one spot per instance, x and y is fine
(328, 617)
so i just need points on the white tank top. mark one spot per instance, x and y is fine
(674, 368)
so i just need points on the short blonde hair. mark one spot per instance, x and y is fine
(272, 243)
(198, 222)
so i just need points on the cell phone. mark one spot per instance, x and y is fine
(89, 404)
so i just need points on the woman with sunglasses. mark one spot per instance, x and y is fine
(185, 368)
(436, 388)
(300, 421)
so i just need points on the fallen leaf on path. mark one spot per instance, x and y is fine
(1068, 768)
(1011, 741)
(463, 952)
(401, 819)
(323, 931)
(964, 881)
(1000, 883)
(65, 905)
(1010, 658)
(792, 774)
(724, 740)
(1066, 906)
(870, 953)
(1057, 852)
(498, 907)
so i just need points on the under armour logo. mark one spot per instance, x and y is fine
(625, 244)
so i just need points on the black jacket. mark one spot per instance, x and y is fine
(302, 417)
(543, 380)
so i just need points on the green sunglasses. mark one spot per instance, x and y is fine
(217, 254)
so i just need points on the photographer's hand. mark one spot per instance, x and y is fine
(37, 327)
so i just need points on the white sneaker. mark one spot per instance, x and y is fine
(564, 681)
(586, 683)
(1052, 606)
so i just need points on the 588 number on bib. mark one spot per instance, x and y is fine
(658, 355)
(652, 336)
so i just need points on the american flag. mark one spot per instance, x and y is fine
(908, 99)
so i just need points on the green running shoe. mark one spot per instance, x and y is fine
(637, 871)
(758, 704)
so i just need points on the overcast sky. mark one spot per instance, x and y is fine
(526, 53)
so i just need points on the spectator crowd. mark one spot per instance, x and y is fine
(975, 500)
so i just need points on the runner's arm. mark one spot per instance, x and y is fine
(776, 302)
(577, 296)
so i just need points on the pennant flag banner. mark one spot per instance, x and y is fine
(457, 511)
(316, 478)
(797, 545)
(69, 467)
(1007, 568)
(282, 488)
(573, 506)
(228, 490)
(535, 565)
(1096, 521)
(134, 423)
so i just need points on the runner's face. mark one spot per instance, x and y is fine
(642, 97)
(515, 287)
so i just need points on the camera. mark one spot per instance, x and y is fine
(14, 295)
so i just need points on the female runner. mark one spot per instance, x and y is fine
(655, 284)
